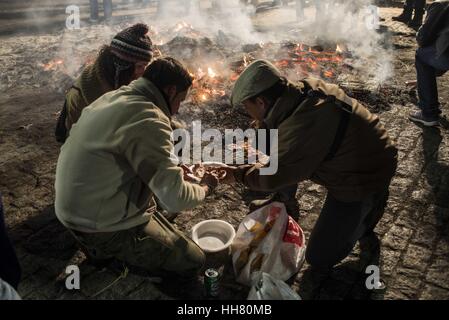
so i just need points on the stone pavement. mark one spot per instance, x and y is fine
(414, 232)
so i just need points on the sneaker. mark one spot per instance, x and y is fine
(403, 18)
(427, 121)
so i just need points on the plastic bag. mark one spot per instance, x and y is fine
(268, 240)
(265, 287)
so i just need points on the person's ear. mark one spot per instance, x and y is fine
(261, 103)
(171, 92)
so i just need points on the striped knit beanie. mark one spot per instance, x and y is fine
(133, 44)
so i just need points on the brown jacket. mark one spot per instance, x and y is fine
(364, 163)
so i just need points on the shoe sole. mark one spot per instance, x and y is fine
(426, 123)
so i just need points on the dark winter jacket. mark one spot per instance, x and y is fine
(435, 30)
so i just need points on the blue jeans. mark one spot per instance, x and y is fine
(428, 68)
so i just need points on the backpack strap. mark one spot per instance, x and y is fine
(345, 116)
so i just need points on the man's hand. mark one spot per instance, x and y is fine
(189, 174)
(210, 182)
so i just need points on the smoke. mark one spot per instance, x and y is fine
(231, 17)
(356, 25)
(353, 24)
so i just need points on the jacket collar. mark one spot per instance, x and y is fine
(92, 83)
(285, 105)
(149, 90)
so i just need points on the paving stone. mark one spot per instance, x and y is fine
(390, 259)
(407, 282)
(397, 237)
(431, 292)
(425, 235)
(438, 273)
(123, 288)
(417, 258)
(33, 283)
(442, 248)
(98, 282)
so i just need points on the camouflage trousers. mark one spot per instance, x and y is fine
(157, 247)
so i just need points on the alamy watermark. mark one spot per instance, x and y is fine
(72, 22)
(73, 280)
(372, 18)
(373, 281)
(189, 147)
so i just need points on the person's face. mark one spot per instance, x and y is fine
(139, 69)
(256, 109)
(175, 98)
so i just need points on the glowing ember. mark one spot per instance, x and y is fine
(208, 85)
(52, 65)
(309, 61)
(295, 61)
(211, 73)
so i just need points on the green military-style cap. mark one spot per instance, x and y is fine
(255, 79)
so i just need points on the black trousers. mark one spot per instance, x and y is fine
(340, 225)
(9, 265)
(418, 5)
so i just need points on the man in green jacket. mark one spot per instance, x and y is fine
(329, 138)
(116, 159)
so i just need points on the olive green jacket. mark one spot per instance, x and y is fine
(118, 155)
(89, 86)
(364, 163)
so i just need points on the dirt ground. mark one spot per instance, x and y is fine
(414, 232)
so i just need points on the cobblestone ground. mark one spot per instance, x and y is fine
(414, 232)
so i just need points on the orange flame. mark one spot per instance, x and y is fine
(52, 65)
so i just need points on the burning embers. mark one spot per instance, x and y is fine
(295, 60)
(305, 61)
(216, 63)
(208, 85)
(53, 65)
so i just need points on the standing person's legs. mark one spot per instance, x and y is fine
(93, 9)
(420, 8)
(428, 67)
(157, 247)
(406, 14)
(107, 7)
(300, 4)
(339, 226)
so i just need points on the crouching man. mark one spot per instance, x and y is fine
(328, 138)
(117, 157)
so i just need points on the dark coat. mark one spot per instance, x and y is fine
(435, 30)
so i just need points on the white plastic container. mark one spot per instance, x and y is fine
(213, 235)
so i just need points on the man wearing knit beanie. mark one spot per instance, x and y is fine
(117, 64)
